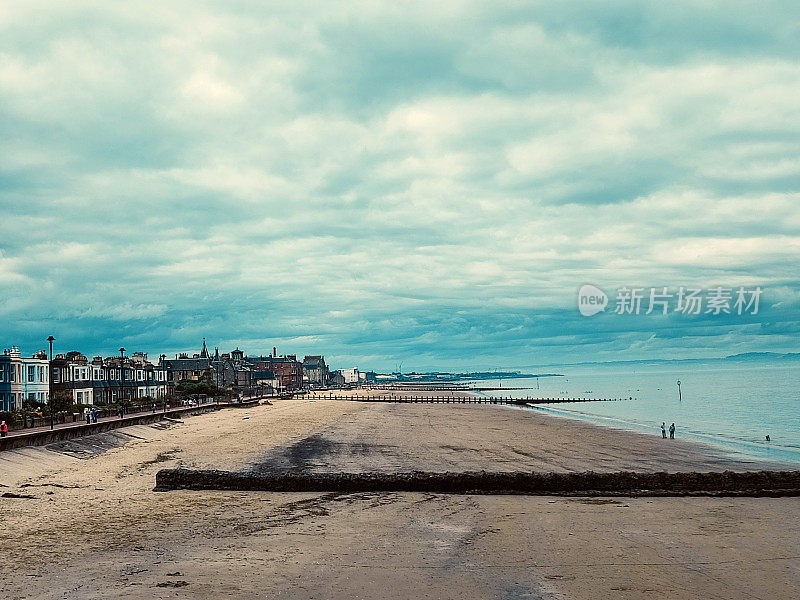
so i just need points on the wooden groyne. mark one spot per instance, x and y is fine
(589, 483)
(440, 399)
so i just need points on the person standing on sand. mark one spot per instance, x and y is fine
(672, 431)
(3, 429)
(664, 430)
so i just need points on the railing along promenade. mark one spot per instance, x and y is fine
(42, 435)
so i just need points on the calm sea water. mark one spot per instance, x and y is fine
(733, 407)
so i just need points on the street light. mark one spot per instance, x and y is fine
(51, 339)
(121, 376)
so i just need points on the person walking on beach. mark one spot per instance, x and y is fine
(664, 430)
(672, 431)
(3, 429)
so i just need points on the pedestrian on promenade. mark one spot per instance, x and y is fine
(154, 407)
(94, 416)
(664, 430)
(3, 429)
(88, 415)
(672, 431)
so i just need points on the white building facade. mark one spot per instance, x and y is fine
(36, 378)
(350, 375)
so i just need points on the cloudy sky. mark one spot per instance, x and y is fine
(425, 182)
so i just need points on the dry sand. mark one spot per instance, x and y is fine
(93, 527)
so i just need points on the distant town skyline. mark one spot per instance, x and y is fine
(429, 187)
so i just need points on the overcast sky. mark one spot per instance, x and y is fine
(425, 182)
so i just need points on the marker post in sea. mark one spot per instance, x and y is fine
(680, 399)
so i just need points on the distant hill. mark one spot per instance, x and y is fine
(743, 357)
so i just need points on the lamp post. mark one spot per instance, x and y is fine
(162, 363)
(51, 339)
(121, 377)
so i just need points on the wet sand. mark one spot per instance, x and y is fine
(93, 527)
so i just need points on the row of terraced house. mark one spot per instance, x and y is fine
(107, 380)
(95, 381)
(271, 373)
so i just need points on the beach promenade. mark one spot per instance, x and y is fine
(93, 527)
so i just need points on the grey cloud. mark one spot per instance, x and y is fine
(429, 185)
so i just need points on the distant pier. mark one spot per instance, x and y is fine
(442, 388)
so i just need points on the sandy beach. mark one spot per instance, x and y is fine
(83, 520)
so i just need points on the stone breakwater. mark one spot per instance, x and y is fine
(589, 483)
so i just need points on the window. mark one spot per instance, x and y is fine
(80, 397)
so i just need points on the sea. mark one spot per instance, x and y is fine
(731, 406)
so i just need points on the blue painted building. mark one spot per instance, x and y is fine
(11, 380)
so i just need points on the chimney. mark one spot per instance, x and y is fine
(274, 352)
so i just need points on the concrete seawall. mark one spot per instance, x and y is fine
(625, 483)
(60, 434)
